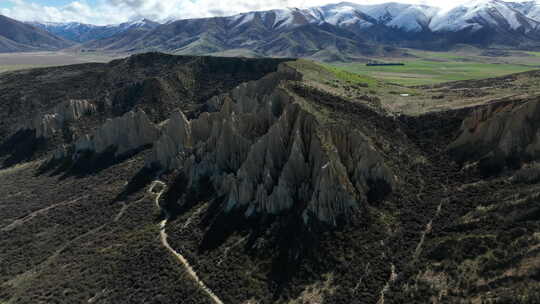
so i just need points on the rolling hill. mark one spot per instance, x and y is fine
(334, 32)
(81, 32)
(343, 30)
(16, 36)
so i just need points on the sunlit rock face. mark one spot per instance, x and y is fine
(501, 133)
(260, 148)
(125, 133)
(266, 154)
(169, 149)
(46, 125)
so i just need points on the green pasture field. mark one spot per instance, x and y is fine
(437, 67)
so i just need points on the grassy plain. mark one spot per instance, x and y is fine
(21, 61)
(415, 100)
(425, 67)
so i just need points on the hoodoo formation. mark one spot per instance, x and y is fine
(126, 133)
(45, 125)
(260, 148)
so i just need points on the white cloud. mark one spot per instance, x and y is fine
(116, 11)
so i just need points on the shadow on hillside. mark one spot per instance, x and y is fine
(86, 163)
(288, 241)
(282, 241)
(138, 182)
(20, 147)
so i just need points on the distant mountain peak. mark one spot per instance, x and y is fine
(340, 27)
(479, 14)
(81, 32)
(16, 36)
(140, 22)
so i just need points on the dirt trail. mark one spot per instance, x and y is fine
(228, 248)
(21, 221)
(426, 231)
(393, 277)
(195, 214)
(164, 241)
(37, 269)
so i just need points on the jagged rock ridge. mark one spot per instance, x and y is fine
(46, 125)
(266, 154)
(261, 150)
(125, 133)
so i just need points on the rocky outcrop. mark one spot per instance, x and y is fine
(261, 149)
(301, 164)
(126, 133)
(266, 154)
(500, 134)
(170, 149)
(46, 125)
(234, 120)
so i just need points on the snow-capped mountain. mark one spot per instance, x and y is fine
(16, 36)
(81, 32)
(333, 30)
(134, 24)
(396, 15)
(73, 31)
(481, 14)
(530, 9)
(475, 15)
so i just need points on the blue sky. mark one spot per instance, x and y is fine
(57, 3)
(4, 4)
(117, 11)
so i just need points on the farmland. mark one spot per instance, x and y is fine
(424, 67)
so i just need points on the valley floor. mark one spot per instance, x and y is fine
(425, 68)
(29, 60)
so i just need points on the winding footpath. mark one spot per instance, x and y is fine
(21, 221)
(386, 288)
(427, 231)
(164, 241)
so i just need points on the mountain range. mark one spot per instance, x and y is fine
(81, 32)
(335, 31)
(16, 36)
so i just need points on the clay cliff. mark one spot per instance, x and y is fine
(126, 133)
(47, 124)
(267, 154)
(260, 147)
(500, 134)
